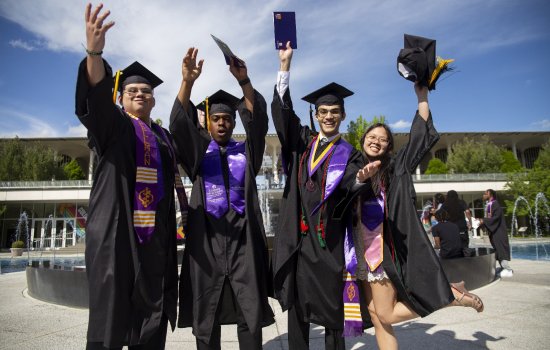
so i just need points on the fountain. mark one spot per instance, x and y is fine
(514, 218)
(533, 219)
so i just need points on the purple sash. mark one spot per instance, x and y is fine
(214, 186)
(336, 169)
(148, 188)
(489, 209)
(371, 226)
(353, 322)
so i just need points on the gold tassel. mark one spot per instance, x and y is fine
(117, 77)
(207, 116)
(442, 67)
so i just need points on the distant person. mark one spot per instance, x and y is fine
(498, 235)
(459, 214)
(446, 237)
(439, 199)
(131, 257)
(426, 219)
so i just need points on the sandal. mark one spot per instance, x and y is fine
(477, 303)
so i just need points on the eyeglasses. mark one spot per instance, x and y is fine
(134, 91)
(382, 140)
(323, 113)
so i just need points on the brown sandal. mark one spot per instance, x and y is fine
(477, 303)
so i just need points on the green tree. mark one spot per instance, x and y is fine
(530, 183)
(474, 156)
(357, 128)
(22, 162)
(509, 163)
(73, 171)
(436, 166)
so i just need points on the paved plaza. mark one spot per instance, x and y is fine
(516, 316)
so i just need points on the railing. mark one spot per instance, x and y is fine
(10, 185)
(460, 177)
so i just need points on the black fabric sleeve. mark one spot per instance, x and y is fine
(422, 138)
(95, 108)
(255, 126)
(292, 134)
(493, 222)
(190, 138)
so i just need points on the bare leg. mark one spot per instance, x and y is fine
(388, 309)
(385, 337)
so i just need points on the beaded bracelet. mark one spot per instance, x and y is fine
(94, 53)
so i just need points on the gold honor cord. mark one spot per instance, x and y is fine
(117, 77)
(315, 160)
(441, 67)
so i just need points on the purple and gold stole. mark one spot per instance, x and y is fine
(489, 209)
(216, 200)
(353, 322)
(336, 167)
(372, 228)
(149, 181)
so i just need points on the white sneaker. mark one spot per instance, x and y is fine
(507, 273)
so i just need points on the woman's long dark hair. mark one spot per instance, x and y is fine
(382, 177)
(453, 206)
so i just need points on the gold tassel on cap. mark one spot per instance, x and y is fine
(117, 78)
(442, 67)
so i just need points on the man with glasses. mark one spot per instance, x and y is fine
(131, 259)
(308, 259)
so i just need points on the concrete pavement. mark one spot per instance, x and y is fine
(516, 316)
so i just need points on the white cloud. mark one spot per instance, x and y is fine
(400, 125)
(18, 43)
(15, 123)
(76, 131)
(542, 124)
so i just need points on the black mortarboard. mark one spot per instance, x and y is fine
(136, 73)
(220, 102)
(331, 94)
(417, 61)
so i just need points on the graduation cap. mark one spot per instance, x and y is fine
(134, 73)
(417, 61)
(331, 94)
(220, 102)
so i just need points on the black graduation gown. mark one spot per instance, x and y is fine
(233, 247)
(409, 258)
(131, 284)
(306, 275)
(497, 232)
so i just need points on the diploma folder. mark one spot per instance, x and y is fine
(227, 53)
(284, 24)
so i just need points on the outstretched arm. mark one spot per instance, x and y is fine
(422, 96)
(95, 42)
(241, 74)
(190, 72)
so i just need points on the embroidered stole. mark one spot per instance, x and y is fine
(216, 200)
(371, 214)
(489, 209)
(353, 322)
(149, 181)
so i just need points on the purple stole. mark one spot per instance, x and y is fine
(372, 227)
(353, 322)
(489, 209)
(216, 200)
(336, 168)
(149, 184)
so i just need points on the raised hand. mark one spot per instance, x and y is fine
(368, 171)
(95, 29)
(239, 71)
(190, 70)
(285, 56)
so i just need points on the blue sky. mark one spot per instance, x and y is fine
(501, 48)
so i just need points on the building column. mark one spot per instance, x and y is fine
(275, 160)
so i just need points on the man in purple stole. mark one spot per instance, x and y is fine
(225, 271)
(308, 257)
(131, 226)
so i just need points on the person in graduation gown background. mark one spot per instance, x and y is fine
(308, 259)
(131, 226)
(496, 226)
(401, 273)
(225, 270)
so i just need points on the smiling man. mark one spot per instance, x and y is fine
(225, 270)
(308, 260)
(131, 259)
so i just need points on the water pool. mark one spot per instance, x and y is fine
(533, 251)
(8, 265)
